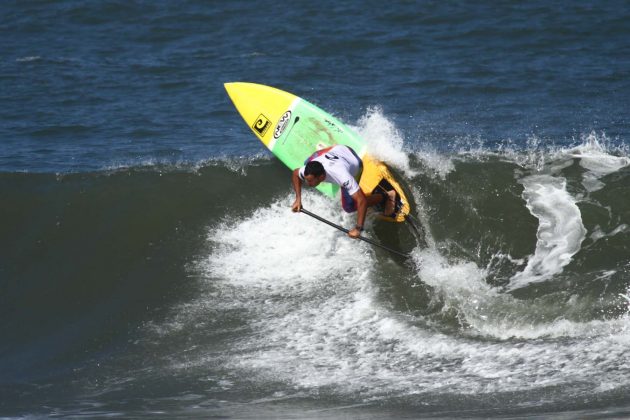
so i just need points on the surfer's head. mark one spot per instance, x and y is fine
(314, 173)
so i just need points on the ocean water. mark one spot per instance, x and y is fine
(150, 265)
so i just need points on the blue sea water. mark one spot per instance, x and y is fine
(91, 85)
(138, 211)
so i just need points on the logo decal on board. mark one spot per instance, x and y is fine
(261, 125)
(283, 122)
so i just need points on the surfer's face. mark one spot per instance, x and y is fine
(314, 181)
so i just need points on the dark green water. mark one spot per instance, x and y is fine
(196, 291)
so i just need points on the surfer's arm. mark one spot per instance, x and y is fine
(297, 187)
(362, 204)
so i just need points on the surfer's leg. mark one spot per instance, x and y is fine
(375, 199)
(390, 204)
(386, 201)
(350, 206)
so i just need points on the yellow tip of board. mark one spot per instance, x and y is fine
(260, 106)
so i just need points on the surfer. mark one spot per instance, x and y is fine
(341, 165)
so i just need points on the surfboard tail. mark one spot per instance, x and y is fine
(376, 176)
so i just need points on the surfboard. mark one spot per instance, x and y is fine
(293, 129)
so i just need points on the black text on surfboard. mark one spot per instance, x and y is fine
(282, 124)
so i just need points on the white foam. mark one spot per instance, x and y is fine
(488, 313)
(349, 343)
(537, 157)
(236, 164)
(595, 152)
(441, 165)
(385, 142)
(596, 159)
(598, 233)
(278, 248)
(28, 59)
(560, 229)
(454, 277)
(317, 324)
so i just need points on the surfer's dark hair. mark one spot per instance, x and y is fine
(314, 168)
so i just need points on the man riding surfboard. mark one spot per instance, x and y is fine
(341, 165)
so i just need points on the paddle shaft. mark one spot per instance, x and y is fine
(369, 241)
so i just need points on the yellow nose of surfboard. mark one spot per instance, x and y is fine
(260, 106)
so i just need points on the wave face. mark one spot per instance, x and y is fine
(195, 288)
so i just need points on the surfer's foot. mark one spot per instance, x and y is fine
(390, 204)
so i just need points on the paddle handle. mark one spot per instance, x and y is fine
(369, 241)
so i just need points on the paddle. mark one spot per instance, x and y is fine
(369, 241)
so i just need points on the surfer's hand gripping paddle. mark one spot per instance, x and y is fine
(364, 239)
